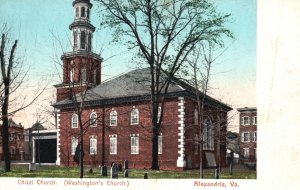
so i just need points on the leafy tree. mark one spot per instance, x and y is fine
(163, 33)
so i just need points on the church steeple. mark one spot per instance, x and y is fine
(81, 67)
(82, 29)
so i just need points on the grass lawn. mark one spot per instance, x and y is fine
(73, 172)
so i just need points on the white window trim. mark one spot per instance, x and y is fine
(160, 144)
(72, 74)
(208, 143)
(196, 117)
(72, 121)
(113, 138)
(244, 151)
(243, 136)
(95, 76)
(243, 120)
(134, 149)
(113, 113)
(95, 124)
(254, 134)
(254, 120)
(74, 146)
(93, 138)
(83, 76)
(158, 114)
(133, 111)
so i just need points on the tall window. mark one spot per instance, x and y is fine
(88, 13)
(246, 120)
(90, 42)
(95, 76)
(254, 120)
(83, 75)
(113, 118)
(245, 137)
(74, 122)
(74, 143)
(77, 12)
(113, 144)
(75, 39)
(72, 75)
(82, 12)
(196, 117)
(134, 116)
(93, 119)
(208, 135)
(158, 114)
(134, 145)
(93, 145)
(160, 144)
(82, 40)
(254, 137)
(196, 144)
(246, 153)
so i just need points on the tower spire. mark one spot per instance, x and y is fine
(81, 66)
(82, 29)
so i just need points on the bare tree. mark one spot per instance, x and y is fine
(12, 78)
(163, 33)
(200, 68)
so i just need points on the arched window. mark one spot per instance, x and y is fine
(88, 13)
(196, 117)
(74, 122)
(134, 116)
(93, 145)
(83, 75)
(77, 12)
(113, 118)
(82, 40)
(82, 12)
(72, 75)
(208, 135)
(90, 42)
(74, 144)
(75, 39)
(158, 114)
(95, 76)
(93, 119)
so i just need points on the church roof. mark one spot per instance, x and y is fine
(132, 86)
(38, 126)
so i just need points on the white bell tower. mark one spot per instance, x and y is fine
(82, 29)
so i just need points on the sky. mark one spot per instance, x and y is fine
(38, 23)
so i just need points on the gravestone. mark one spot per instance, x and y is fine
(120, 167)
(32, 166)
(126, 165)
(126, 173)
(217, 173)
(103, 170)
(145, 175)
(114, 171)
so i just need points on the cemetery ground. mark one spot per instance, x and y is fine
(42, 171)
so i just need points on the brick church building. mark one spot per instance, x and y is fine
(117, 113)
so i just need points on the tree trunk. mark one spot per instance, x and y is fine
(5, 127)
(155, 148)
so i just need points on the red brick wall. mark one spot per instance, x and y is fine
(78, 63)
(192, 129)
(123, 130)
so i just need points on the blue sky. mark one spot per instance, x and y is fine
(32, 22)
